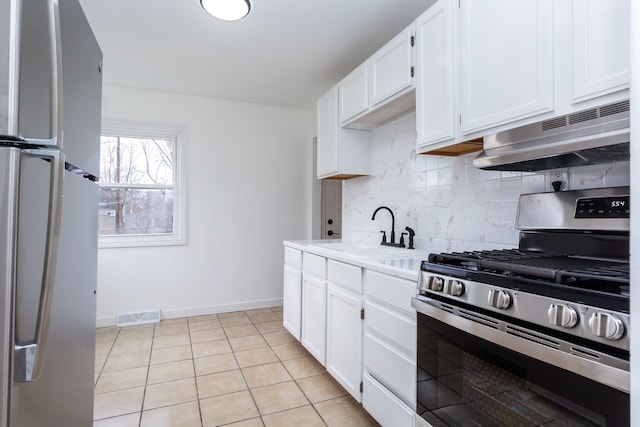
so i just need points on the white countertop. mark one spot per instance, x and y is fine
(404, 264)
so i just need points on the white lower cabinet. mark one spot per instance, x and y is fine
(389, 350)
(387, 363)
(383, 405)
(360, 325)
(344, 338)
(292, 301)
(314, 309)
(292, 291)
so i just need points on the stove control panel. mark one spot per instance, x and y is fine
(569, 317)
(603, 207)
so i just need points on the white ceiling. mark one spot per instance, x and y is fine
(285, 53)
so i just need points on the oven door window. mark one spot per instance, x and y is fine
(467, 381)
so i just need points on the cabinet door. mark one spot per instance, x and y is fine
(327, 144)
(344, 339)
(506, 57)
(384, 406)
(391, 365)
(434, 75)
(292, 301)
(600, 47)
(353, 93)
(314, 304)
(390, 68)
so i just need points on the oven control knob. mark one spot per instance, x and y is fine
(606, 326)
(436, 284)
(499, 299)
(562, 315)
(454, 288)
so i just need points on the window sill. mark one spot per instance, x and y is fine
(108, 242)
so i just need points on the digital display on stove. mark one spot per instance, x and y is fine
(603, 207)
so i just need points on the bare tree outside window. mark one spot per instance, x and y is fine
(137, 180)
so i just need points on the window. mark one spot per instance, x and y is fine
(141, 194)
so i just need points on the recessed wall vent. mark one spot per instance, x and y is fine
(558, 122)
(583, 116)
(142, 318)
(618, 107)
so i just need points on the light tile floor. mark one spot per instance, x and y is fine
(238, 369)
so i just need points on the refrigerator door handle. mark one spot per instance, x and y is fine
(56, 73)
(55, 87)
(30, 356)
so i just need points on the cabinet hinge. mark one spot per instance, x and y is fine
(361, 386)
(413, 40)
(412, 71)
(362, 313)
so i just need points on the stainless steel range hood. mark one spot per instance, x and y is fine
(598, 135)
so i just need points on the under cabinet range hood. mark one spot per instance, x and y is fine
(597, 135)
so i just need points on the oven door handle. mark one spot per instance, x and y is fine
(610, 376)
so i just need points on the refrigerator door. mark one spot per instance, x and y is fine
(50, 78)
(63, 392)
(82, 89)
(8, 66)
(9, 161)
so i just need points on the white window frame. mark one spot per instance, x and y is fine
(154, 130)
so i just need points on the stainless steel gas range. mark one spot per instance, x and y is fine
(537, 335)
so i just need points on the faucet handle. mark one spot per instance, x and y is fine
(411, 234)
(384, 236)
(402, 239)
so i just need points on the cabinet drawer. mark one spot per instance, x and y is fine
(346, 275)
(386, 408)
(292, 257)
(314, 264)
(398, 329)
(392, 290)
(396, 371)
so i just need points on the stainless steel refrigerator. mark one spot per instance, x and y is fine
(50, 100)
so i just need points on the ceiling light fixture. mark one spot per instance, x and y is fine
(227, 10)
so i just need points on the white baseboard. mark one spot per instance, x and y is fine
(176, 313)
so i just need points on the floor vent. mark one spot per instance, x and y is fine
(131, 319)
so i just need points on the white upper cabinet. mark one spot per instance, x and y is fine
(390, 68)
(434, 75)
(327, 144)
(353, 92)
(506, 61)
(341, 153)
(381, 88)
(487, 66)
(599, 47)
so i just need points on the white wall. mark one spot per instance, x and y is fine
(450, 204)
(248, 174)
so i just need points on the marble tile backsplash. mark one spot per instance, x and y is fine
(450, 204)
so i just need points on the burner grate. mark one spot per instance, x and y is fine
(536, 264)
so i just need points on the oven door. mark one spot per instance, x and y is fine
(465, 379)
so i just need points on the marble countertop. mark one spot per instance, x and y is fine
(397, 262)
